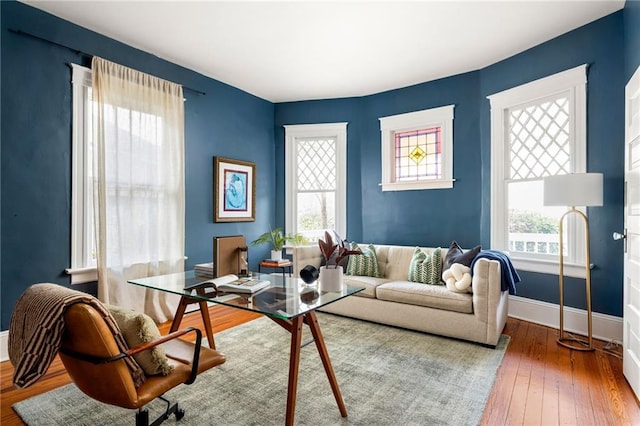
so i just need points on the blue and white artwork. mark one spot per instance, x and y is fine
(235, 191)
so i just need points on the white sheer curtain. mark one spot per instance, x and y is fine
(139, 185)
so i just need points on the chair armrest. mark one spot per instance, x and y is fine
(146, 346)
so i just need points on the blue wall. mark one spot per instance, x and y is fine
(631, 37)
(600, 45)
(325, 111)
(383, 217)
(36, 148)
(435, 217)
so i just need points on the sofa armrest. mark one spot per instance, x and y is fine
(487, 288)
(305, 255)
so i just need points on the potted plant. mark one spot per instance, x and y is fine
(277, 238)
(331, 274)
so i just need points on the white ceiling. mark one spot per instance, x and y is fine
(288, 51)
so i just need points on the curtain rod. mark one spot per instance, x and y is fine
(79, 52)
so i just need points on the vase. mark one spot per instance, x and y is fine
(331, 279)
(276, 255)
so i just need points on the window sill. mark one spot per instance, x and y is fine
(409, 186)
(547, 267)
(82, 275)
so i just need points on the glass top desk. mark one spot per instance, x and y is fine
(287, 301)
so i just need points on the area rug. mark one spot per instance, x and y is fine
(388, 376)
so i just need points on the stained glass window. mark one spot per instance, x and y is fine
(418, 154)
(417, 149)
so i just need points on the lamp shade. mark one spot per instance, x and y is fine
(574, 189)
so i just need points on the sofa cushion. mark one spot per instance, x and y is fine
(455, 254)
(365, 264)
(432, 296)
(369, 283)
(426, 269)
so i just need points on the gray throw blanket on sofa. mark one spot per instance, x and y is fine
(36, 328)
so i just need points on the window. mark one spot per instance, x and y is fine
(83, 250)
(316, 175)
(537, 130)
(140, 189)
(417, 150)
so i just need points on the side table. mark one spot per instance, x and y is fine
(283, 266)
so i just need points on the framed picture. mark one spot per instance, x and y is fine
(234, 190)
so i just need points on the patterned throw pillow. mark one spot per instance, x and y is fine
(365, 264)
(426, 269)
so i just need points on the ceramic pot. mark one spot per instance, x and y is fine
(331, 279)
(276, 255)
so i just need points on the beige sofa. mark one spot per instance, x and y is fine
(479, 316)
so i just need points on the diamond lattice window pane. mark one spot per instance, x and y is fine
(539, 138)
(317, 164)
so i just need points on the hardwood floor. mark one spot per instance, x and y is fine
(538, 383)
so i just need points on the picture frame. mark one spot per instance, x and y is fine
(234, 192)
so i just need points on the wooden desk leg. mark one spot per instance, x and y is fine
(204, 311)
(294, 364)
(312, 321)
(206, 320)
(177, 319)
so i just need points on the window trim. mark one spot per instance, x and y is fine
(575, 82)
(433, 117)
(80, 270)
(296, 131)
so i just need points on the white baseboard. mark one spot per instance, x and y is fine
(605, 327)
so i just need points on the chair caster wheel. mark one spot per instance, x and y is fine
(179, 413)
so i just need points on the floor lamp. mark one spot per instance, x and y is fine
(575, 189)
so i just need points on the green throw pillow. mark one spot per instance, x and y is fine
(426, 269)
(365, 264)
(138, 328)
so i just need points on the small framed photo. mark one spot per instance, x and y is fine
(234, 190)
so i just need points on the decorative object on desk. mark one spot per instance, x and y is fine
(204, 269)
(234, 190)
(575, 189)
(309, 274)
(344, 262)
(225, 254)
(331, 279)
(309, 296)
(331, 274)
(243, 261)
(232, 284)
(277, 238)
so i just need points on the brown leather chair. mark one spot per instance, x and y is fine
(91, 356)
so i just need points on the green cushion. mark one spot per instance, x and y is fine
(426, 269)
(365, 264)
(138, 328)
